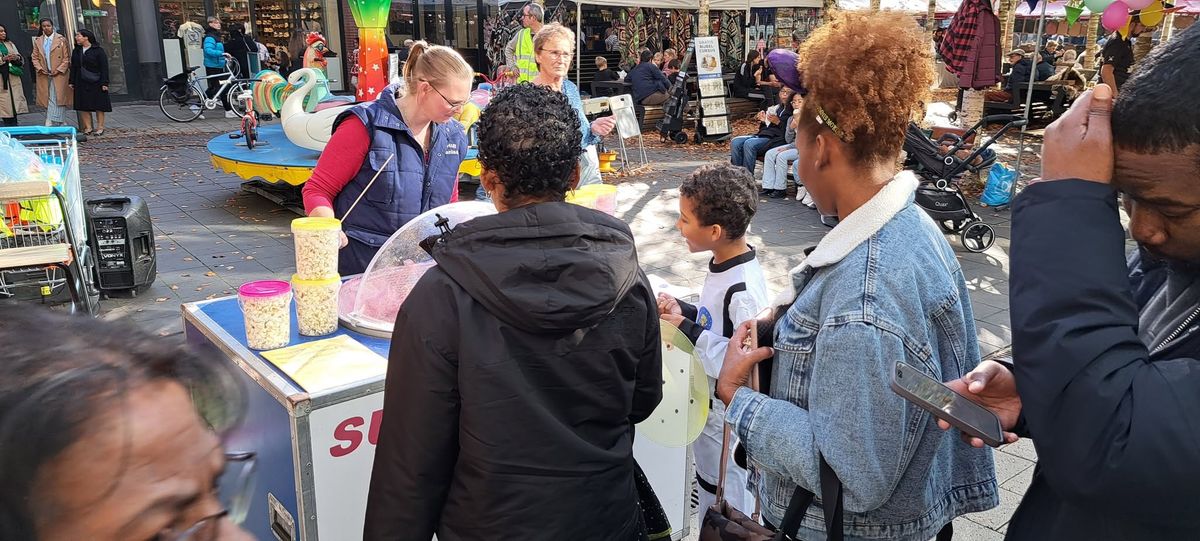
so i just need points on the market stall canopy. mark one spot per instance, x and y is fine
(731, 5)
(906, 6)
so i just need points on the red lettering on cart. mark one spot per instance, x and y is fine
(345, 432)
(373, 434)
(349, 433)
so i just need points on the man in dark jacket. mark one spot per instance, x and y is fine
(520, 363)
(1106, 350)
(649, 84)
(1018, 75)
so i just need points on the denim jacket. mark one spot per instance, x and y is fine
(883, 286)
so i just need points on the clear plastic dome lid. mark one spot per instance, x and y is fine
(369, 302)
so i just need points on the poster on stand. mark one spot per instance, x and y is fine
(713, 106)
(712, 86)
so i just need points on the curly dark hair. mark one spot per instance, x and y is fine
(723, 195)
(51, 387)
(530, 137)
(870, 72)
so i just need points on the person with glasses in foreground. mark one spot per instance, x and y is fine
(554, 48)
(108, 434)
(408, 136)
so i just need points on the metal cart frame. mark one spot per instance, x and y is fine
(33, 238)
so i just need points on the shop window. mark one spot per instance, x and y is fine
(176, 14)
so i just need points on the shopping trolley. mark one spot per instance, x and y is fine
(43, 230)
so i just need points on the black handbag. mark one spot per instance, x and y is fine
(88, 76)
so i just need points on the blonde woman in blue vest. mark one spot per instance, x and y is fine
(554, 47)
(411, 120)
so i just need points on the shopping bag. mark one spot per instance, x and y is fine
(999, 186)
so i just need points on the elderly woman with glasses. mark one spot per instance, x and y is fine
(112, 435)
(554, 48)
(407, 136)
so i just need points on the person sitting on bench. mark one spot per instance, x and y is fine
(649, 84)
(1022, 67)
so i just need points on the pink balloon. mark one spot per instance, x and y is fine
(1138, 4)
(1115, 16)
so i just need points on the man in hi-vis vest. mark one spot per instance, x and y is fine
(518, 54)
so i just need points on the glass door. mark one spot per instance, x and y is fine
(433, 21)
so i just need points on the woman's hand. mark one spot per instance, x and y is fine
(739, 362)
(604, 125)
(668, 305)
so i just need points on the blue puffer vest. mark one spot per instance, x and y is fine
(408, 185)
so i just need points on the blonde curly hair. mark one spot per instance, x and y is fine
(868, 73)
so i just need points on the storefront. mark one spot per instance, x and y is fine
(280, 25)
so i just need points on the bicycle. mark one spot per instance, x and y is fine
(181, 99)
(249, 120)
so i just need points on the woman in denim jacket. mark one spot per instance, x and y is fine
(883, 286)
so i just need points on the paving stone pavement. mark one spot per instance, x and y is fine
(210, 237)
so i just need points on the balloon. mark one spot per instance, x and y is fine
(1097, 6)
(1138, 4)
(1152, 15)
(1115, 16)
(1073, 13)
(1124, 30)
(783, 64)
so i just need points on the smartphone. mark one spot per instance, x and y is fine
(935, 397)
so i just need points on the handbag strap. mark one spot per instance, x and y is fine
(802, 499)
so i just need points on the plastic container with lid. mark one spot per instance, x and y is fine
(317, 244)
(316, 305)
(266, 309)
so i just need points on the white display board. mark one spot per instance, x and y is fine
(713, 112)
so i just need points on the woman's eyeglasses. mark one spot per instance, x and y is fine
(453, 104)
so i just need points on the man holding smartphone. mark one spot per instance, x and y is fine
(1106, 378)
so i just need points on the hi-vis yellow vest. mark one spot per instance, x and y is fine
(526, 64)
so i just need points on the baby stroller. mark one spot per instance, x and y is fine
(940, 169)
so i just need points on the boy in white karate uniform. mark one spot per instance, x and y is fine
(716, 204)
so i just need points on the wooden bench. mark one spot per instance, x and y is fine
(738, 108)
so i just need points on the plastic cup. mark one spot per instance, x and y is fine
(317, 244)
(316, 305)
(266, 309)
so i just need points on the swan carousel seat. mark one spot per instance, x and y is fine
(304, 129)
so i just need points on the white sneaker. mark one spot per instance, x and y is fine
(801, 193)
(231, 114)
(808, 202)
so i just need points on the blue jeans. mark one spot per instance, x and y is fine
(775, 166)
(744, 151)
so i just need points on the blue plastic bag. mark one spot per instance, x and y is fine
(999, 186)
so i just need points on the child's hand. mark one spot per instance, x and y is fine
(667, 305)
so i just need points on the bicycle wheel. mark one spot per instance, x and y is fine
(184, 106)
(235, 90)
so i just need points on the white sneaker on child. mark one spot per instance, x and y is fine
(803, 197)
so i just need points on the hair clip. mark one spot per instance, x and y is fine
(824, 119)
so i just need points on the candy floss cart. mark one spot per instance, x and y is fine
(314, 403)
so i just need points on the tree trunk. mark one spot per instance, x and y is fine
(827, 9)
(1089, 51)
(931, 17)
(703, 28)
(875, 5)
(1142, 46)
(1007, 18)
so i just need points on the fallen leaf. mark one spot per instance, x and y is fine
(210, 273)
(174, 288)
(161, 299)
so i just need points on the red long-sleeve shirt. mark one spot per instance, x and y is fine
(339, 162)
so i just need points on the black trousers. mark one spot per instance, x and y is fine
(214, 85)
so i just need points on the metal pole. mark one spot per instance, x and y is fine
(1012, 190)
(578, 35)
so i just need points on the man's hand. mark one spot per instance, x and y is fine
(992, 386)
(673, 319)
(1079, 145)
(739, 362)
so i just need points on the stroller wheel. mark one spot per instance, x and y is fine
(977, 236)
(679, 137)
(950, 226)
